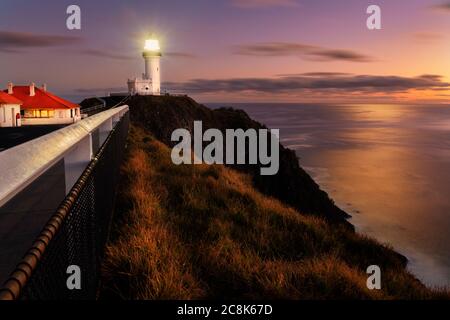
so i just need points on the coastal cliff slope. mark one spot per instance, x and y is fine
(204, 232)
(210, 231)
(292, 185)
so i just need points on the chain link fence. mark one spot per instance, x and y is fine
(76, 234)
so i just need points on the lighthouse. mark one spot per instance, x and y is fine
(150, 83)
(152, 57)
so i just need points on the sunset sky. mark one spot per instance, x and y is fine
(234, 50)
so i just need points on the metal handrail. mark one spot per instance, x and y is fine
(18, 279)
(18, 175)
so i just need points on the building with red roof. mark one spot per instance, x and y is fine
(9, 110)
(40, 107)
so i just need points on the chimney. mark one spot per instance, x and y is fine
(44, 87)
(10, 88)
(32, 93)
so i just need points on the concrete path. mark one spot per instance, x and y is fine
(10, 137)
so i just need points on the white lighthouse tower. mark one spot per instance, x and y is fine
(150, 84)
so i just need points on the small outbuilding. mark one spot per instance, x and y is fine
(9, 110)
(40, 107)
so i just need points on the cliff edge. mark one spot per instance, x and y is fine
(161, 115)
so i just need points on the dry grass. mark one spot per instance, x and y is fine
(194, 232)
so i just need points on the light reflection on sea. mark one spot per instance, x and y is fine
(386, 165)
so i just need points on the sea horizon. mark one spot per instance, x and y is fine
(235, 104)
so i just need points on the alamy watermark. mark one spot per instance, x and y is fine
(73, 281)
(73, 21)
(230, 149)
(374, 280)
(374, 20)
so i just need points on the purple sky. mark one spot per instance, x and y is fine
(234, 50)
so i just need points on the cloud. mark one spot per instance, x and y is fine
(344, 83)
(183, 55)
(347, 55)
(118, 56)
(99, 91)
(316, 74)
(269, 49)
(445, 6)
(427, 36)
(80, 94)
(105, 54)
(250, 4)
(276, 49)
(16, 41)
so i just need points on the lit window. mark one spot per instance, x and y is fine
(29, 114)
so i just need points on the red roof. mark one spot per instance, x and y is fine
(41, 99)
(8, 99)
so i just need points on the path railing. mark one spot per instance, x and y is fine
(56, 200)
(90, 110)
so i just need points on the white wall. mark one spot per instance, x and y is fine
(43, 121)
(61, 116)
(140, 86)
(7, 118)
(156, 75)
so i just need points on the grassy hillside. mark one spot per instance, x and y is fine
(292, 185)
(193, 232)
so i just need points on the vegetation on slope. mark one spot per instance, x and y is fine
(161, 115)
(194, 232)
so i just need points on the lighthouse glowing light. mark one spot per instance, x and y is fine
(152, 45)
(150, 83)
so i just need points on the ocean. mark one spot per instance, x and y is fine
(386, 165)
